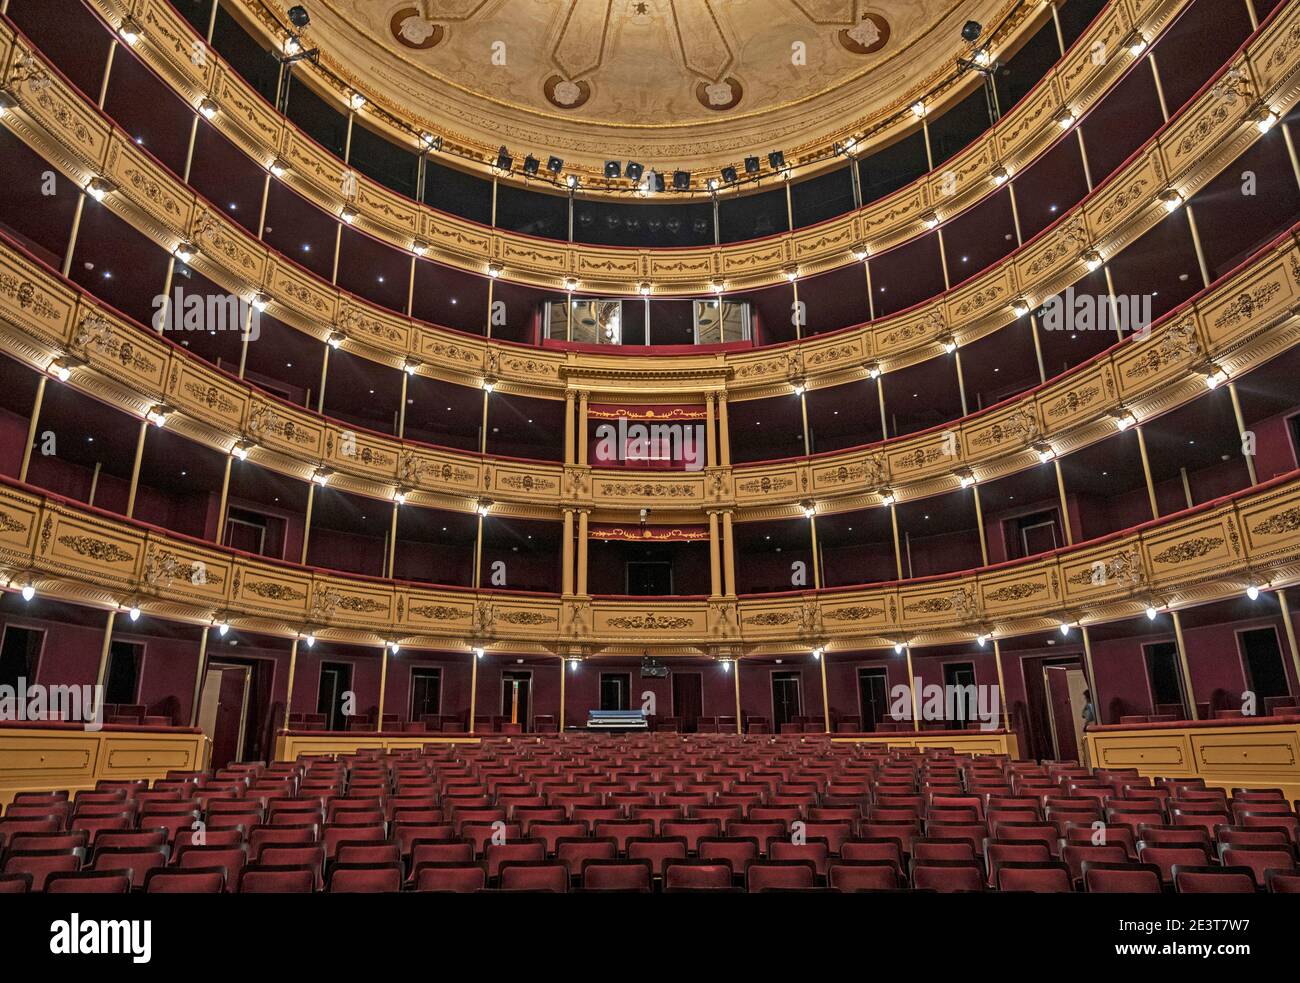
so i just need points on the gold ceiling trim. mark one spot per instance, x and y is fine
(70, 552)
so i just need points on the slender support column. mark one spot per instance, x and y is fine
(1066, 525)
(324, 374)
(483, 426)
(1146, 471)
(569, 428)
(724, 431)
(1289, 626)
(200, 675)
(898, 553)
(33, 426)
(728, 556)
(1002, 685)
(740, 722)
(1188, 693)
(223, 502)
(75, 232)
(816, 562)
(105, 647)
(979, 521)
(94, 482)
(401, 407)
(478, 553)
(798, 321)
(135, 469)
(961, 382)
(803, 416)
(1196, 242)
(293, 671)
(884, 420)
(306, 523)
(715, 566)
(1241, 431)
(392, 543)
(564, 672)
(826, 701)
(473, 688)
(943, 262)
(1092, 676)
(566, 574)
(383, 686)
(711, 441)
(581, 435)
(911, 685)
(582, 551)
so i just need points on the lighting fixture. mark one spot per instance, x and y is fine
(222, 628)
(861, 251)
(292, 46)
(130, 30)
(28, 592)
(949, 343)
(717, 286)
(1152, 612)
(484, 507)
(817, 653)
(394, 647)
(321, 476)
(98, 188)
(494, 270)
(554, 164)
(410, 366)
(1000, 174)
(349, 214)
(157, 415)
(356, 101)
(479, 652)
(185, 251)
(887, 496)
(1214, 375)
(643, 289)
(1065, 118)
(633, 171)
(311, 640)
(712, 184)
(681, 180)
(1092, 259)
(430, 142)
(966, 478)
(1265, 119)
(419, 247)
(799, 387)
(241, 449)
(279, 167)
(983, 58)
(613, 170)
(930, 220)
(208, 108)
(134, 613)
(751, 165)
(531, 165)
(1137, 44)
(873, 370)
(898, 648)
(1252, 591)
(981, 640)
(570, 283)
(573, 665)
(61, 369)
(1045, 451)
(399, 496)
(572, 181)
(1065, 628)
(1172, 200)
(259, 301)
(726, 665)
(489, 383)
(918, 109)
(791, 273)
(504, 161)
(776, 160)
(809, 509)
(336, 338)
(1020, 307)
(1123, 417)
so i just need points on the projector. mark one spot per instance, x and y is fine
(653, 669)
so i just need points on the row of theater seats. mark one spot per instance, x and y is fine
(547, 724)
(1274, 706)
(653, 812)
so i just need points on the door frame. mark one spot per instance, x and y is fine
(600, 684)
(883, 672)
(771, 689)
(1241, 654)
(410, 689)
(40, 652)
(502, 693)
(672, 690)
(352, 676)
(243, 710)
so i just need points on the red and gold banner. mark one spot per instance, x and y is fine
(649, 533)
(636, 411)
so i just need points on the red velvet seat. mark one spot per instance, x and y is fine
(1075, 855)
(764, 875)
(1039, 877)
(947, 876)
(617, 875)
(381, 878)
(736, 851)
(1197, 879)
(863, 875)
(196, 880)
(89, 882)
(1260, 859)
(16, 883)
(277, 879)
(458, 877)
(1166, 857)
(138, 860)
(41, 863)
(573, 853)
(696, 875)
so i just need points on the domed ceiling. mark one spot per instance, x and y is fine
(669, 83)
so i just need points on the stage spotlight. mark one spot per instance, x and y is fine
(729, 175)
(613, 169)
(298, 16)
(504, 161)
(554, 164)
(777, 159)
(751, 165)
(972, 30)
(681, 180)
(654, 182)
(531, 164)
(634, 171)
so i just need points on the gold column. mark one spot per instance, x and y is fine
(199, 677)
(566, 573)
(1241, 431)
(564, 671)
(740, 721)
(898, 553)
(884, 419)
(306, 524)
(33, 426)
(104, 648)
(1065, 508)
(135, 469)
(581, 435)
(293, 670)
(728, 556)
(223, 502)
(711, 441)
(803, 415)
(383, 686)
(473, 688)
(724, 438)
(979, 521)
(483, 431)
(478, 553)
(569, 427)
(1188, 693)
(401, 407)
(826, 702)
(324, 374)
(1146, 470)
(1289, 626)
(911, 685)
(1092, 676)
(961, 382)
(816, 563)
(1002, 686)
(392, 543)
(715, 569)
(582, 551)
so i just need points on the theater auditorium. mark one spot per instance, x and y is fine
(650, 447)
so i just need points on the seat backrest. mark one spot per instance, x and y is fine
(947, 876)
(88, 882)
(863, 875)
(1200, 879)
(1038, 877)
(534, 875)
(696, 874)
(767, 874)
(460, 877)
(195, 880)
(277, 879)
(617, 875)
(381, 878)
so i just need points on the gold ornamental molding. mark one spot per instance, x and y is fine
(1208, 553)
(1206, 135)
(1076, 83)
(55, 327)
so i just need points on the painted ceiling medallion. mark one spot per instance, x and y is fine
(724, 94)
(870, 35)
(565, 93)
(412, 29)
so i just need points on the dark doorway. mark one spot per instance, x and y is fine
(1163, 674)
(1032, 534)
(688, 699)
(123, 681)
(426, 692)
(873, 696)
(516, 693)
(18, 655)
(615, 690)
(1262, 655)
(335, 680)
(785, 698)
(649, 578)
(960, 675)
(229, 685)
